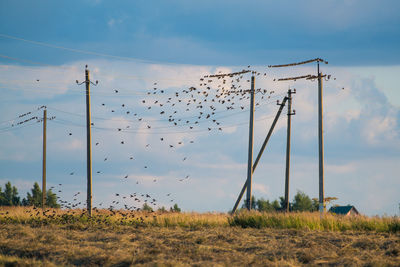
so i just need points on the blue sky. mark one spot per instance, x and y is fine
(174, 43)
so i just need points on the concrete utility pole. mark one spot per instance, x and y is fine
(44, 160)
(88, 140)
(261, 151)
(250, 155)
(88, 145)
(289, 114)
(320, 145)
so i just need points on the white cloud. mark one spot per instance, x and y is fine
(261, 188)
(340, 169)
(111, 22)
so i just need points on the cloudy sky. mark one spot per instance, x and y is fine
(131, 45)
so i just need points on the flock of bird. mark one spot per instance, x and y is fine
(188, 109)
(192, 109)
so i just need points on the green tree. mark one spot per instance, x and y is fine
(328, 201)
(162, 209)
(2, 199)
(315, 204)
(51, 200)
(10, 196)
(275, 204)
(282, 203)
(253, 203)
(15, 198)
(35, 198)
(302, 202)
(175, 208)
(146, 207)
(264, 205)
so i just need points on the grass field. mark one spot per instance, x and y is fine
(27, 237)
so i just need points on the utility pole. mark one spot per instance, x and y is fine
(320, 145)
(289, 114)
(250, 155)
(88, 141)
(261, 151)
(44, 160)
(88, 145)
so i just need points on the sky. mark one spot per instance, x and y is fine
(131, 45)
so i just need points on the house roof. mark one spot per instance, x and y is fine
(342, 209)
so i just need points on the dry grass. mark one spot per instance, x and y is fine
(313, 221)
(173, 239)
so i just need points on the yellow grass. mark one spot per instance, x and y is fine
(304, 220)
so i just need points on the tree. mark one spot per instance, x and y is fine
(15, 198)
(2, 199)
(328, 201)
(35, 198)
(10, 196)
(302, 202)
(264, 205)
(51, 200)
(275, 204)
(162, 209)
(253, 203)
(315, 204)
(175, 208)
(282, 203)
(146, 207)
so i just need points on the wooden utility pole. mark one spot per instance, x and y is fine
(250, 155)
(88, 145)
(289, 114)
(320, 144)
(44, 160)
(261, 151)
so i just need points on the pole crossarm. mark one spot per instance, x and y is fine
(261, 151)
(309, 76)
(227, 74)
(298, 63)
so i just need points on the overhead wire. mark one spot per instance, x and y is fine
(60, 121)
(137, 77)
(10, 128)
(160, 120)
(19, 117)
(89, 52)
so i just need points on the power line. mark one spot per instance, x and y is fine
(163, 120)
(138, 77)
(19, 116)
(89, 52)
(23, 60)
(66, 122)
(10, 128)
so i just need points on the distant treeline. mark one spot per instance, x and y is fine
(34, 198)
(301, 202)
